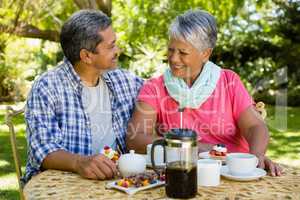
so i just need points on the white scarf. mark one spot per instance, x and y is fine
(201, 89)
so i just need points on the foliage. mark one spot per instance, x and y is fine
(24, 59)
(257, 39)
(142, 28)
(262, 45)
(42, 19)
(142, 36)
(8, 74)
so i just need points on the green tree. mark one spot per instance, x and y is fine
(260, 43)
(143, 27)
(42, 19)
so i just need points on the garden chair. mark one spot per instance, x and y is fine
(10, 114)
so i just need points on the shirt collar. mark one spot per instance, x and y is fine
(75, 78)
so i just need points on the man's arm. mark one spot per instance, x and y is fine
(141, 127)
(256, 133)
(93, 167)
(45, 140)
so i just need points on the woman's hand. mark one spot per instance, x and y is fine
(265, 163)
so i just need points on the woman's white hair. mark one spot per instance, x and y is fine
(197, 27)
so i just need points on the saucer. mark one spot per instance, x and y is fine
(205, 155)
(149, 164)
(133, 190)
(256, 174)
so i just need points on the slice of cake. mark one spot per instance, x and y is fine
(219, 152)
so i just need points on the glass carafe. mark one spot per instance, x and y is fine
(180, 155)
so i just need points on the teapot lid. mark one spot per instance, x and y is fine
(181, 134)
(131, 156)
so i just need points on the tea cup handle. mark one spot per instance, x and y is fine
(256, 161)
(219, 163)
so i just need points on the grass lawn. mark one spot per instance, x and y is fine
(8, 181)
(284, 146)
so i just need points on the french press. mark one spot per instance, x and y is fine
(180, 155)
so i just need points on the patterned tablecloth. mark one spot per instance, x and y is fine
(53, 184)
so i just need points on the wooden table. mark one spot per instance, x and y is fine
(53, 184)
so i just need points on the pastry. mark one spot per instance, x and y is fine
(110, 153)
(219, 152)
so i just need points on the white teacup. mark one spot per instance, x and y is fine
(208, 172)
(241, 164)
(158, 154)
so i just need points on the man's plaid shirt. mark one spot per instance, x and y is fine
(56, 119)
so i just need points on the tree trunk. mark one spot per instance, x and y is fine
(31, 32)
(23, 29)
(103, 5)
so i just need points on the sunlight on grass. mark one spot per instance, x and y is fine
(289, 161)
(9, 187)
(3, 163)
(9, 181)
(18, 128)
(284, 118)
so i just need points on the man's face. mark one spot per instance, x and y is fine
(106, 53)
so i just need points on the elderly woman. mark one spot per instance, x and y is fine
(213, 101)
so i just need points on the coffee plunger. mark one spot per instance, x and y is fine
(180, 155)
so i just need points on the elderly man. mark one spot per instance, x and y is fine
(83, 104)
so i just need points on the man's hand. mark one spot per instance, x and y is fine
(95, 167)
(265, 163)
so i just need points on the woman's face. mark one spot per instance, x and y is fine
(185, 60)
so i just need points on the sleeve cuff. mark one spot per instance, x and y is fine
(43, 150)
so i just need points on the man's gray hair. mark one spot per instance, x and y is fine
(197, 27)
(81, 31)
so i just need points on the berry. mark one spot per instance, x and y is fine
(145, 182)
(125, 184)
(162, 178)
(120, 183)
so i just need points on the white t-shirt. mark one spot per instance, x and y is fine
(96, 102)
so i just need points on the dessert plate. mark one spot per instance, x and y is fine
(205, 155)
(257, 173)
(132, 190)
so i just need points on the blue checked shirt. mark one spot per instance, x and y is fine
(56, 119)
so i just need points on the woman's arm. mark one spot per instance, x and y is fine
(256, 133)
(254, 130)
(141, 127)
